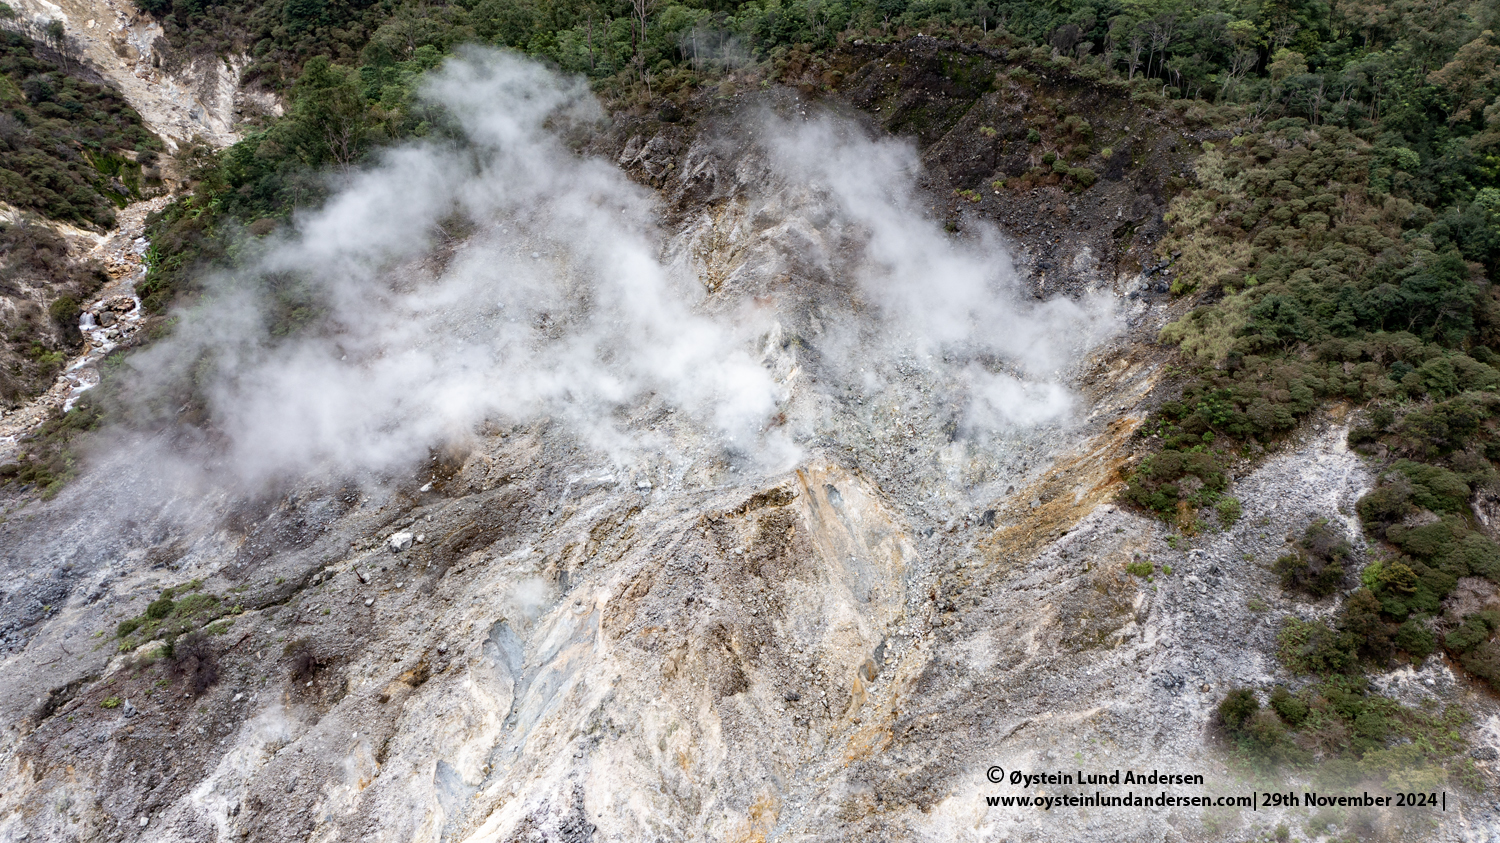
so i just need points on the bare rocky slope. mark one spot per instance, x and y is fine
(564, 650)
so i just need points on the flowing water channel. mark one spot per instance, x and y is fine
(111, 317)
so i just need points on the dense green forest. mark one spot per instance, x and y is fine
(1328, 62)
(1411, 87)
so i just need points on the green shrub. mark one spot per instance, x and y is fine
(1385, 505)
(1315, 647)
(1163, 480)
(1360, 619)
(195, 604)
(65, 311)
(1474, 631)
(1372, 728)
(1484, 662)
(1428, 541)
(1288, 707)
(1237, 707)
(1083, 175)
(1317, 565)
(1416, 639)
(1434, 487)
(1479, 555)
(1265, 739)
(160, 608)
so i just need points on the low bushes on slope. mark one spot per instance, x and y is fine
(1345, 264)
(41, 286)
(1342, 733)
(1316, 564)
(70, 150)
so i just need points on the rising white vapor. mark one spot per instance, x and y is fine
(555, 301)
(934, 296)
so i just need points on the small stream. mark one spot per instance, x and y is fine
(113, 316)
(108, 320)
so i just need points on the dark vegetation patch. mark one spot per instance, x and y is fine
(42, 289)
(303, 660)
(70, 150)
(183, 612)
(314, 672)
(193, 662)
(1345, 253)
(1342, 733)
(1475, 643)
(1316, 565)
(48, 459)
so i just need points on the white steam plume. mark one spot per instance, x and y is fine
(933, 295)
(552, 300)
(556, 306)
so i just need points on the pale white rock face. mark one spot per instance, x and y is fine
(118, 41)
(796, 657)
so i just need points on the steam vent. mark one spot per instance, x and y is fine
(749, 421)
